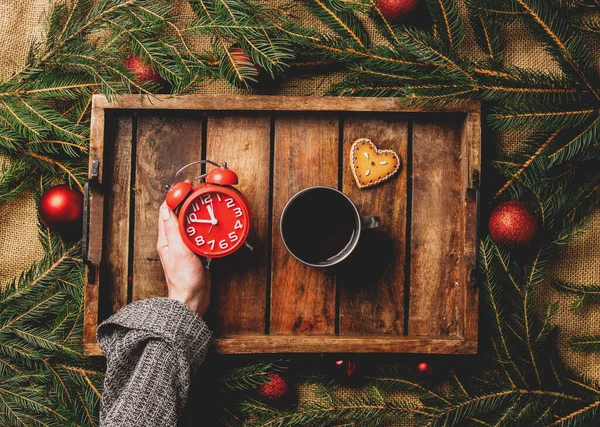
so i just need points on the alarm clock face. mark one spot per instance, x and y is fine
(214, 221)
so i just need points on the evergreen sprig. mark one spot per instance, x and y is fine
(249, 377)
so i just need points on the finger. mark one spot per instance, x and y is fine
(171, 231)
(161, 242)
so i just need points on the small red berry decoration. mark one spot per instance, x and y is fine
(348, 372)
(143, 71)
(275, 388)
(425, 369)
(397, 10)
(346, 368)
(61, 208)
(513, 225)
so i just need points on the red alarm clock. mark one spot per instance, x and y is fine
(214, 218)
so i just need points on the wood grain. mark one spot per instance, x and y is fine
(240, 280)
(97, 134)
(337, 344)
(117, 185)
(471, 144)
(371, 282)
(272, 103)
(95, 230)
(165, 142)
(265, 344)
(306, 154)
(436, 229)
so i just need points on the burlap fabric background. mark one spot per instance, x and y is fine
(21, 23)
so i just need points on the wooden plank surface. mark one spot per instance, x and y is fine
(299, 303)
(372, 281)
(471, 143)
(272, 103)
(117, 185)
(95, 229)
(240, 280)
(165, 143)
(437, 228)
(306, 154)
(265, 344)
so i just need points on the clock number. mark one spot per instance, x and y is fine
(238, 212)
(230, 202)
(200, 240)
(223, 244)
(212, 244)
(233, 237)
(195, 206)
(192, 218)
(191, 231)
(218, 197)
(207, 198)
(238, 225)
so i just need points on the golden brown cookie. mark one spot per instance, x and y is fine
(371, 166)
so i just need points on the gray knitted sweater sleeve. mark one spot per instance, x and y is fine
(152, 349)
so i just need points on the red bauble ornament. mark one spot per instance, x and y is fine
(397, 10)
(275, 388)
(513, 225)
(61, 208)
(425, 369)
(143, 71)
(240, 59)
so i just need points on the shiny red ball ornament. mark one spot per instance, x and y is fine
(61, 208)
(513, 225)
(275, 388)
(241, 58)
(425, 369)
(143, 71)
(397, 10)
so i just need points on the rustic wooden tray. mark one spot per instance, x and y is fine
(408, 287)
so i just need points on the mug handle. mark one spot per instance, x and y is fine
(369, 222)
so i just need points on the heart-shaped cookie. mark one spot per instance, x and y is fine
(371, 166)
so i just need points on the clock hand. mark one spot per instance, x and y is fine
(212, 214)
(201, 221)
(193, 218)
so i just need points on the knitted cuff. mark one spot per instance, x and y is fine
(163, 318)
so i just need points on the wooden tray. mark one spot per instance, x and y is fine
(408, 287)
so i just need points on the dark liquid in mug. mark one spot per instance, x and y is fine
(319, 225)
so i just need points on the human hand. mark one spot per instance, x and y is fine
(187, 280)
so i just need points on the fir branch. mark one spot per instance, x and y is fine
(447, 20)
(588, 343)
(553, 29)
(15, 178)
(249, 377)
(575, 145)
(587, 294)
(505, 119)
(493, 295)
(344, 22)
(582, 416)
(527, 163)
(101, 10)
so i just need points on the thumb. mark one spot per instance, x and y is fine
(171, 227)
